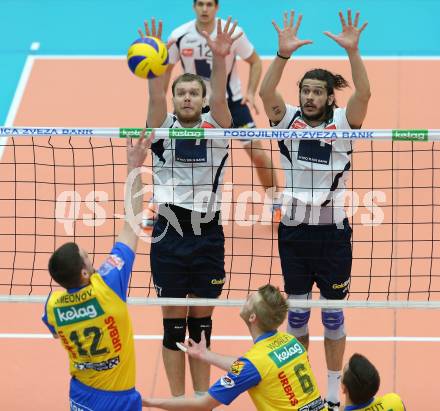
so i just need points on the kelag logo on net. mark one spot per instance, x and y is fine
(76, 313)
(410, 135)
(132, 132)
(286, 354)
(183, 133)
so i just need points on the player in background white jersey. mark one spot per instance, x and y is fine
(314, 236)
(191, 48)
(187, 254)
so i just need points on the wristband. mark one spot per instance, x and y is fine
(282, 57)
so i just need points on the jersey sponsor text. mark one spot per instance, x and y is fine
(76, 313)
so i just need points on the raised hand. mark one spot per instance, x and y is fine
(221, 45)
(349, 38)
(136, 153)
(155, 32)
(288, 41)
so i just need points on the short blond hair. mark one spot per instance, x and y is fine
(188, 78)
(271, 309)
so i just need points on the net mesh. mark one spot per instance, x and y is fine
(58, 189)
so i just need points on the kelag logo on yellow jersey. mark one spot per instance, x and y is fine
(286, 353)
(76, 313)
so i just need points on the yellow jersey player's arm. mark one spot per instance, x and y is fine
(135, 159)
(200, 352)
(204, 403)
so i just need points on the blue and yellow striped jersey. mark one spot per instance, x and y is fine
(94, 325)
(388, 402)
(277, 373)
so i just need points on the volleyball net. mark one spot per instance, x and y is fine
(67, 184)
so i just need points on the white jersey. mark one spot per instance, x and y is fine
(196, 57)
(315, 170)
(189, 173)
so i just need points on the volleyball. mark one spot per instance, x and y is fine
(147, 57)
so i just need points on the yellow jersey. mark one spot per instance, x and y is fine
(388, 402)
(277, 374)
(94, 325)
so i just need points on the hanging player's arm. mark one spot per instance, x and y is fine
(288, 42)
(255, 70)
(263, 164)
(157, 103)
(220, 47)
(133, 200)
(349, 40)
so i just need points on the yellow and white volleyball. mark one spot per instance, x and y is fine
(148, 57)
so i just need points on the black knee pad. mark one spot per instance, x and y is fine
(174, 331)
(197, 325)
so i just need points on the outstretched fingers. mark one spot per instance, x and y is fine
(151, 138)
(226, 29)
(182, 347)
(356, 19)
(153, 27)
(305, 42)
(144, 142)
(285, 20)
(277, 28)
(350, 22)
(159, 31)
(146, 28)
(205, 35)
(234, 26)
(342, 18)
(237, 36)
(331, 35)
(292, 18)
(363, 27)
(298, 23)
(154, 32)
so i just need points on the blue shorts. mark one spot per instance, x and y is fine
(316, 254)
(192, 264)
(241, 115)
(85, 398)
